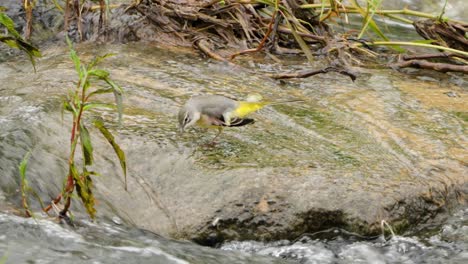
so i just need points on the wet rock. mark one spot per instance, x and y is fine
(386, 148)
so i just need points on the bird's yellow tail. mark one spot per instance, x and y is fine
(246, 108)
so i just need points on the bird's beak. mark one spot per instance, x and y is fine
(181, 130)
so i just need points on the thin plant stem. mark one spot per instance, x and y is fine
(404, 11)
(424, 45)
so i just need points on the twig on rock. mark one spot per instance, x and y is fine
(305, 74)
(441, 67)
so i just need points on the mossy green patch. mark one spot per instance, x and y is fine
(309, 118)
(462, 115)
(231, 153)
(344, 158)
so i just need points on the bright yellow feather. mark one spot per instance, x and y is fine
(246, 108)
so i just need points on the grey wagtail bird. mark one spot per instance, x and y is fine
(216, 111)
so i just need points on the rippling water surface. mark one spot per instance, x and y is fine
(44, 241)
(373, 133)
(449, 244)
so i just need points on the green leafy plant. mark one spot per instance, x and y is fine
(25, 188)
(14, 40)
(79, 102)
(24, 184)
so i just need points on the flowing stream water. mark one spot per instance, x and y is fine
(383, 128)
(43, 241)
(153, 79)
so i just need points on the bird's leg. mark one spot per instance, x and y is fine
(212, 143)
(220, 130)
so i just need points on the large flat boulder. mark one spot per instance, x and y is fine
(388, 147)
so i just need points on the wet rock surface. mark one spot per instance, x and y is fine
(387, 147)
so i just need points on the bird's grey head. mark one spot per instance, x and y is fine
(187, 117)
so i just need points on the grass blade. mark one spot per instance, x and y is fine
(299, 40)
(369, 21)
(372, 6)
(24, 183)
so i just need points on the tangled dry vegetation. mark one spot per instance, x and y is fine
(224, 30)
(227, 29)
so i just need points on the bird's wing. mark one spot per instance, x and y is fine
(214, 109)
(219, 121)
(236, 122)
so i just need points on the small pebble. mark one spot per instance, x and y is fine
(451, 94)
(117, 220)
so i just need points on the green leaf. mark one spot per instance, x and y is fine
(266, 2)
(118, 96)
(23, 166)
(98, 59)
(74, 172)
(103, 74)
(101, 91)
(15, 40)
(88, 106)
(84, 188)
(83, 184)
(88, 173)
(24, 183)
(11, 42)
(66, 106)
(74, 57)
(86, 145)
(20, 44)
(99, 124)
(28, 48)
(9, 24)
